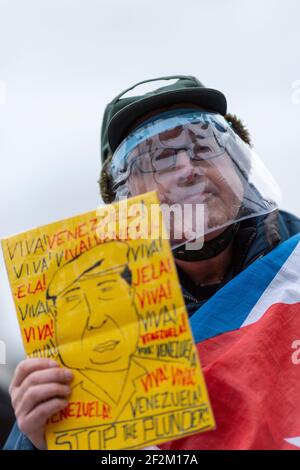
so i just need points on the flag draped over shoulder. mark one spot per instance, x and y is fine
(248, 339)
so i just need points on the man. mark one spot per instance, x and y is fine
(180, 141)
(90, 294)
(96, 334)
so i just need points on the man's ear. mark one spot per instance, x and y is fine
(105, 183)
(239, 128)
(51, 305)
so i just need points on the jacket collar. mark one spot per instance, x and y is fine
(255, 238)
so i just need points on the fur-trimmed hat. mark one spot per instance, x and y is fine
(122, 113)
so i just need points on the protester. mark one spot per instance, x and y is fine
(180, 141)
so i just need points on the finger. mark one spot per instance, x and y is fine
(41, 377)
(37, 418)
(55, 374)
(39, 394)
(28, 366)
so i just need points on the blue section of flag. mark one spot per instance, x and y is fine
(230, 306)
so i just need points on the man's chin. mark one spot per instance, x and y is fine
(218, 217)
(109, 365)
(193, 198)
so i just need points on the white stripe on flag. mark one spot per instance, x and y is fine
(295, 441)
(285, 287)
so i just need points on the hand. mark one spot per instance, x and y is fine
(38, 390)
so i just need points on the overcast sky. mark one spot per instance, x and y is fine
(61, 61)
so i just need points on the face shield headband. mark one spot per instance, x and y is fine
(145, 132)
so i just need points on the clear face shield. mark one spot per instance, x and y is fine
(198, 165)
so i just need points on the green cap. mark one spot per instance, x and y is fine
(122, 113)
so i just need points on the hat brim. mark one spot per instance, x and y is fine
(122, 121)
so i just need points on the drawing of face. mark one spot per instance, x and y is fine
(98, 316)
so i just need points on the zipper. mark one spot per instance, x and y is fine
(256, 258)
(190, 298)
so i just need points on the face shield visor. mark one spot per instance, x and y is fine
(203, 172)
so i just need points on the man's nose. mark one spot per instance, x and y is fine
(96, 318)
(187, 165)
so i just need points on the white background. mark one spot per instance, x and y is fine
(61, 61)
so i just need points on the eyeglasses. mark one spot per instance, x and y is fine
(169, 158)
(163, 151)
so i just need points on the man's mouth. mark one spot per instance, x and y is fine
(196, 190)
(199, 198)
(106, 346)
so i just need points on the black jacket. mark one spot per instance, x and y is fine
(255, 238)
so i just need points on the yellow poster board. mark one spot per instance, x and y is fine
(105, 302)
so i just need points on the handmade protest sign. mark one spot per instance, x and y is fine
(99, 294)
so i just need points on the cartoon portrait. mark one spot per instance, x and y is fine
(96, 323)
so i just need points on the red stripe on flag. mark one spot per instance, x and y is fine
(253, 379)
